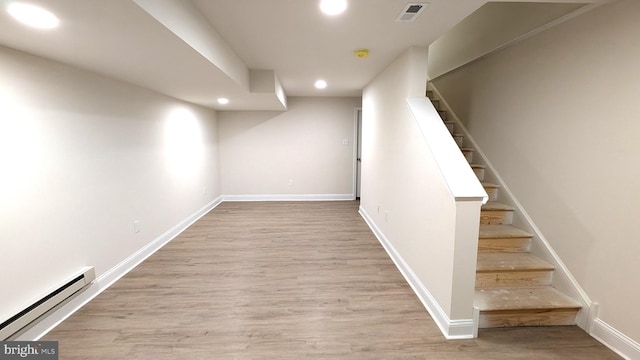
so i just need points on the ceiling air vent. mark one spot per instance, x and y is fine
(411, 11)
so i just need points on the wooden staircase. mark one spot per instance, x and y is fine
(513, 286)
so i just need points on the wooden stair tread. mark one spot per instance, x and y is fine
(477, 166)
(532, 298)
(492, 262)
(502, 231)
(489, 185)
(496, 206)
(496, 213)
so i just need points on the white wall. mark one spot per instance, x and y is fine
(404, 195)
(81, 158)
(260, 151)
(557, 116)
(489, 28)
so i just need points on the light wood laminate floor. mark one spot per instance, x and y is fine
(284, 280)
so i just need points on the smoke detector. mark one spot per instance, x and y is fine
(361, 53)
(411, 11)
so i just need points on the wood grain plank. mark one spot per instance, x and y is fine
(496, 213)
(291, 280)
(504, 245)
(511, 262)
(545, 317)
(522, 299)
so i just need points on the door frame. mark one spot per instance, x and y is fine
(357, 151)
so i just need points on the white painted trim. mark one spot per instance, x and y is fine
(476, 321)
(593, 314)
(615, 340)
(104, 281)
(460, 179)
(451, 329)
(565, 281)
(290, 197)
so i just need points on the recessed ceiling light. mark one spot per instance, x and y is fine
(223, 101)
(321, 84)
(33, 16)
(333, 7)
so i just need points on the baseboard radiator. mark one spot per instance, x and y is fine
(46, 303)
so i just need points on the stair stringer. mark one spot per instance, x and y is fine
(562, 279)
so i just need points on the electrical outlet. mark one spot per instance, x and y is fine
(204, 191)
(290, 182)
(136, 226)
(378, 209)
(386, 216)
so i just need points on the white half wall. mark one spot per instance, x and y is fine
(406, 200)
(304, 153)
(82, 157)
(557, 116)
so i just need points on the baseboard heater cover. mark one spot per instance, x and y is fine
(46, 303)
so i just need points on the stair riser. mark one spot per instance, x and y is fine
(479, 173)
(492, 192)
(496, 217)
(436, 104)
(502, 279)
(468, 154)
(451, 127)
(443, 114)
(493, 319)
(459, 139)
(504, 245)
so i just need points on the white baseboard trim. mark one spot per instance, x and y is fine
(58, 314)
(290, 197)
(451, 329)
(615, 340)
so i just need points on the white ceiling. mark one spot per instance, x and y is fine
(301, 44)
(120, 39)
